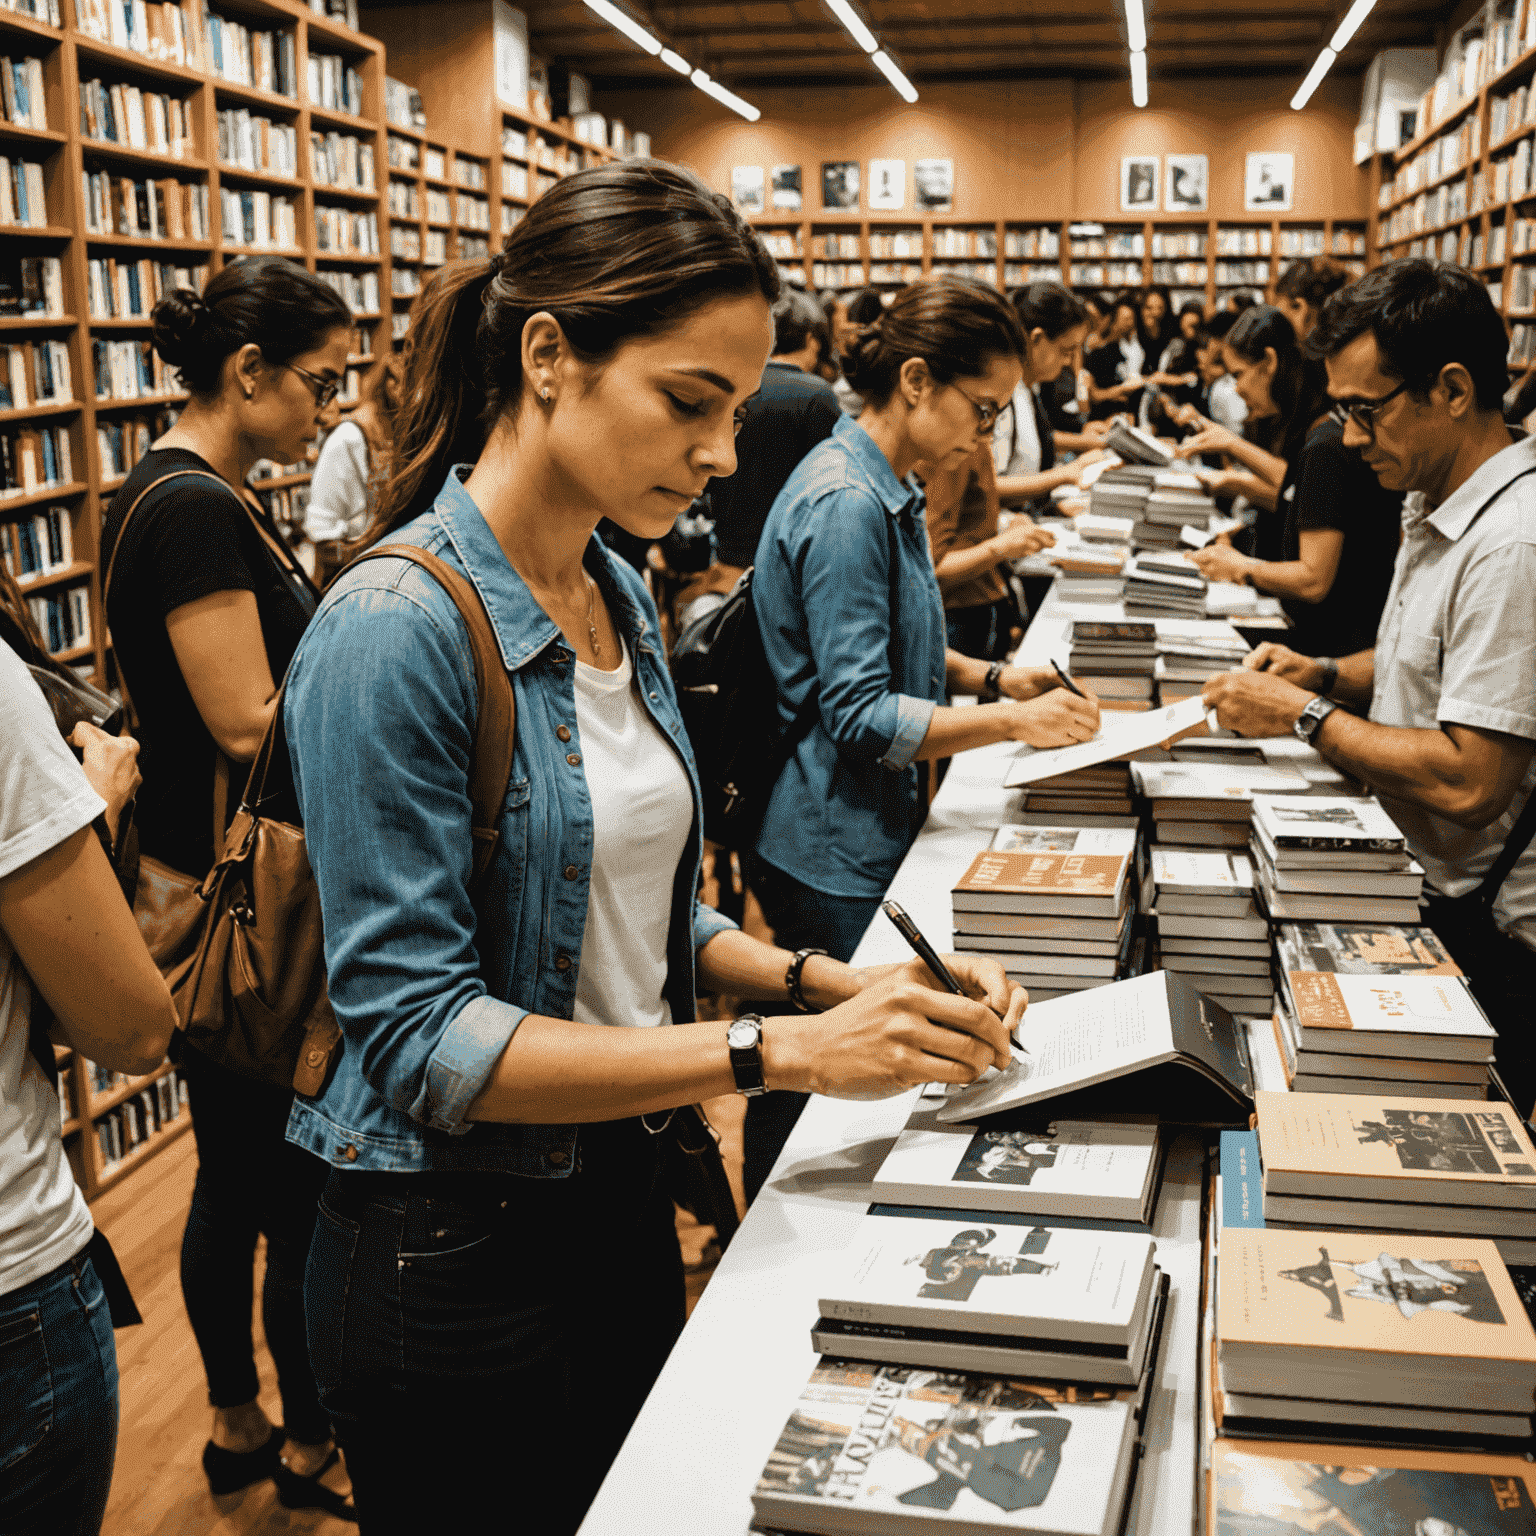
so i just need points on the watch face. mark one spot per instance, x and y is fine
(743, 1034)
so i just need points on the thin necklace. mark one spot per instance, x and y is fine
(597, 647)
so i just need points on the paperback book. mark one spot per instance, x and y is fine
(1424, 1014)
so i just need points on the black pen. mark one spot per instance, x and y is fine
(1066, 682)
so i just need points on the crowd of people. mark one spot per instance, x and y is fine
(517, 1004)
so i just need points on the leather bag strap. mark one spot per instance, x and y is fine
(490, 758)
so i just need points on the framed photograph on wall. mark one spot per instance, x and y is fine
(787, 193)
(1269, 182)
(840, 184)
(887, 184)
(747, 187)
(1186, 184)
(933, 186)
(1139, 176)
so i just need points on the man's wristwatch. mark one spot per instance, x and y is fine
(991, 690)
(1310, 720)
(745, 1039)
(1330, 678)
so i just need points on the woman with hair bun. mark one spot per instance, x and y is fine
(206, 605)
(495, 1278)
(851, 617)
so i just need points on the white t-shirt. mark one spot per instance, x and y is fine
(1016, 442)
(642, 811)
(339, 502)
(44, 800)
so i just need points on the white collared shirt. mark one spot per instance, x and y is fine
(1016, 442)
(1457, 646)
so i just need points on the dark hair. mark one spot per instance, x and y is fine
(957, 325)
(1299, 388)
(1192, 307)
(381, 390)
(266, 300)
(1220, 323)
(796, 318)
(1423, 314)
(864, 306)
(1050, 308)
(1238, 302)
(613, 253)
(1313, 281)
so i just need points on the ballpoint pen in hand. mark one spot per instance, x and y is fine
(1066, 682)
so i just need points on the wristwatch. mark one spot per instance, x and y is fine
(1330, 678)
(1310, 720)
(991, 690)
(745, 1039)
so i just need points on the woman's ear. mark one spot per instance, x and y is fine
(545, 349)
(1271, 360)
(914, 381)
(246, 365)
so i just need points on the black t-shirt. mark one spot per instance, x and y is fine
(187, 540)
(1107, 366)
(1331, 486)
(795, 411)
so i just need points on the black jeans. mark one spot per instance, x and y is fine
(801, 918)
(250, 1181)
(1502, 974)
(484, 1341)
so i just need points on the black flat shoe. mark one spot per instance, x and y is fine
(295, 1492)
(230, 1471)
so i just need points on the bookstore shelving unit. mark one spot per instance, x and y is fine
(1194, 255)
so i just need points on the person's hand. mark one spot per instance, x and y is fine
(111, 768)
(1084, 459)
(1210, 438)
(1255, 703)
(1286, 663)
(1222, 482)
(1097, 430)
(1131, 385)
(899, 1031)
(1020, 538)
(1055, 719)
(1220, 562)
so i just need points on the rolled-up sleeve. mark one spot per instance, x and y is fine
(1488, 671)
(380, 719)
(707, 922)
(845, 585)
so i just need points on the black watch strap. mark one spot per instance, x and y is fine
(792, 979)
(991, 690)
(747, 1056)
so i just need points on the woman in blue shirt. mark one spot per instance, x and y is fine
(495, 1279)
(850, 610)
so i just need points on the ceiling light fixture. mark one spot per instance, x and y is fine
(1314, 79)
(851, 19)
(724, 97)
(1351, 24)
(676, 61)
(883, 62)
(1341, 38)
(1136, 26)
(625, 24)
(1139, 79)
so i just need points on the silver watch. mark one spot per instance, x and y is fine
(1310, 720)
(745, 1040)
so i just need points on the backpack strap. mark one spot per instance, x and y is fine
(490, 756)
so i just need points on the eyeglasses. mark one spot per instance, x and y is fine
(987, 411)
(1363, 412)
(325, 390)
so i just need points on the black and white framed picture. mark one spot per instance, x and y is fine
(747, 187)
(787, 193)
(1138, 183)
(887, 184)
(839, 184)
(1186, 185)
(1268, 183)
(933, 186)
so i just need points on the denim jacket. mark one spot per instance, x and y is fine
(380, 716)
(845, 809)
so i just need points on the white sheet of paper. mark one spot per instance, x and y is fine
(1119, 732)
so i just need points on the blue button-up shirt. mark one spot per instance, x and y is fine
(845, 810)
(380, 714)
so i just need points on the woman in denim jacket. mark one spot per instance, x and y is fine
(495, 1279)
(850, 613)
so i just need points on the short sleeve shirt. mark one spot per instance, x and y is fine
(187, 540)
(44, 800)
(1457, 646)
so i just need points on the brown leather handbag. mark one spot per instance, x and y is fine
(243, 949)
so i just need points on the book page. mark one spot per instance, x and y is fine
(1119, 732)
(1072, 1042)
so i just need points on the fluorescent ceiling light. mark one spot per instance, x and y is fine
(861, 34)
(1139, 79)
(1136, 26)
(676, 61)
(1351, 24)
(625, 24)
(724, 97)
(1314, 79)
(882, 62)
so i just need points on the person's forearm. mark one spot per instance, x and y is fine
(960, 565)
(955, 730)
(1357, 679)
(1265, 467)
(1077, 442)
(1028, 487)
(740, 966)
(1290, 578)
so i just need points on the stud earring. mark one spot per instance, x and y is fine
(544, 395)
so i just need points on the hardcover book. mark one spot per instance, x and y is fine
(1090, 884)
(1327, 824)
(884, 1449)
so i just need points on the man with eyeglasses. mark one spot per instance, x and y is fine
(1439, 719)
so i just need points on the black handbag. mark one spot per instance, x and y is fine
(694, 1172)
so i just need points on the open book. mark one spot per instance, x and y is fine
(1152, 1047)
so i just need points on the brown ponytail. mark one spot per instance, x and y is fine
(613, 253)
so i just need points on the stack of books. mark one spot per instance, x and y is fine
(1093, 793)
(1415, 1032)
(1176, 503)
(1164, 585)
(1122, 492)
(1192, 651)
(1052, 905)
(1138, 447)
(1333, 859)
(1209, 928)
(1117, 659)
(1209, 804)
(1094, 528)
